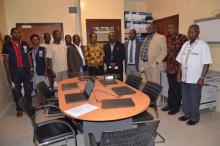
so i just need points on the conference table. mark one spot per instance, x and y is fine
(107, 119)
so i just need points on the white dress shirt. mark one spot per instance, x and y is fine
(80, 53)
(57, 53)
(193, 57)
(133, 52)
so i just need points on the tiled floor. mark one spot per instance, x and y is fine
(18, 131)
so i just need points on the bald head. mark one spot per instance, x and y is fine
(112, 37)
(132, 34)
(76, 39)
(172, 29)
(193, 32)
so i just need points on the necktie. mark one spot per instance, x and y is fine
(131, 53)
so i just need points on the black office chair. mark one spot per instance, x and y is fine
(143, 135)
(153, 90)
(51, 131)
(133, 81)
(47, 95)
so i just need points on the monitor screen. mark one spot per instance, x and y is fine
(89, 87)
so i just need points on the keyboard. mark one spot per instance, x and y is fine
(124, 90)
(117, 103)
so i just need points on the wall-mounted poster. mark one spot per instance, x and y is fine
(137, 21)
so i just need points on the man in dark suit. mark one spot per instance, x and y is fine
(114, 56)
(75, 58)
(132, 51)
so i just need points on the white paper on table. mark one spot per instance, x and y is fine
(81, 110)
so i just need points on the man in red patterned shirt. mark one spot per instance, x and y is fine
(174, 44)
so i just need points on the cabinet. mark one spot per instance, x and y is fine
(209, 91)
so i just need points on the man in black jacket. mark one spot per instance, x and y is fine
(114, 56)
(18, 68)
(75, 58)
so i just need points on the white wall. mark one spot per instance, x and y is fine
(101, 9)
(5, 91)
(40, 11)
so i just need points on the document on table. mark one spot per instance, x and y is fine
(81, 110)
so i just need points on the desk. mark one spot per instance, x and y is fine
(100, 119)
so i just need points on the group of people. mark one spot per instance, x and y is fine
(187, 62)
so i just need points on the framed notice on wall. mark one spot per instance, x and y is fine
(102, 27)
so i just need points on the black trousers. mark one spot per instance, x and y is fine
(23, 78)
(174, 92)
(93, 71)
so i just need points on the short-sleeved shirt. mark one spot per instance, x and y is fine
(8, 50)
(46, 46)
(58, 54)
(174, 44)
(192, 58)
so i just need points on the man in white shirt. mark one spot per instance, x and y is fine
(75, 58)
(194, 59)
(56, 57)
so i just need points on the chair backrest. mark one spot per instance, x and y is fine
(43, 90)
(140, 136)
(133, 81)
(153, 90)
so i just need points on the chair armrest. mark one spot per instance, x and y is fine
(45, 106)
(57, 121)
(92, 140)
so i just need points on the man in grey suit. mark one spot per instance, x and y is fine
(75, 58)
(132, 51)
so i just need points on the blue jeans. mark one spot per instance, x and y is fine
(191, 97)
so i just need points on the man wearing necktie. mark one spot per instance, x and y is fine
(114, 56)
(152, 53)
(132, 51)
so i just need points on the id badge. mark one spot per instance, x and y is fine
(25, 49)
(40, 53)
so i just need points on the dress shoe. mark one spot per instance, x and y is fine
(19, 113)
(166, 108)
(183, 118)
(190, 123)
(172, 112)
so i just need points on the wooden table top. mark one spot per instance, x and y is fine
(101, 92)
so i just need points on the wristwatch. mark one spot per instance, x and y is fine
(202, 77)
